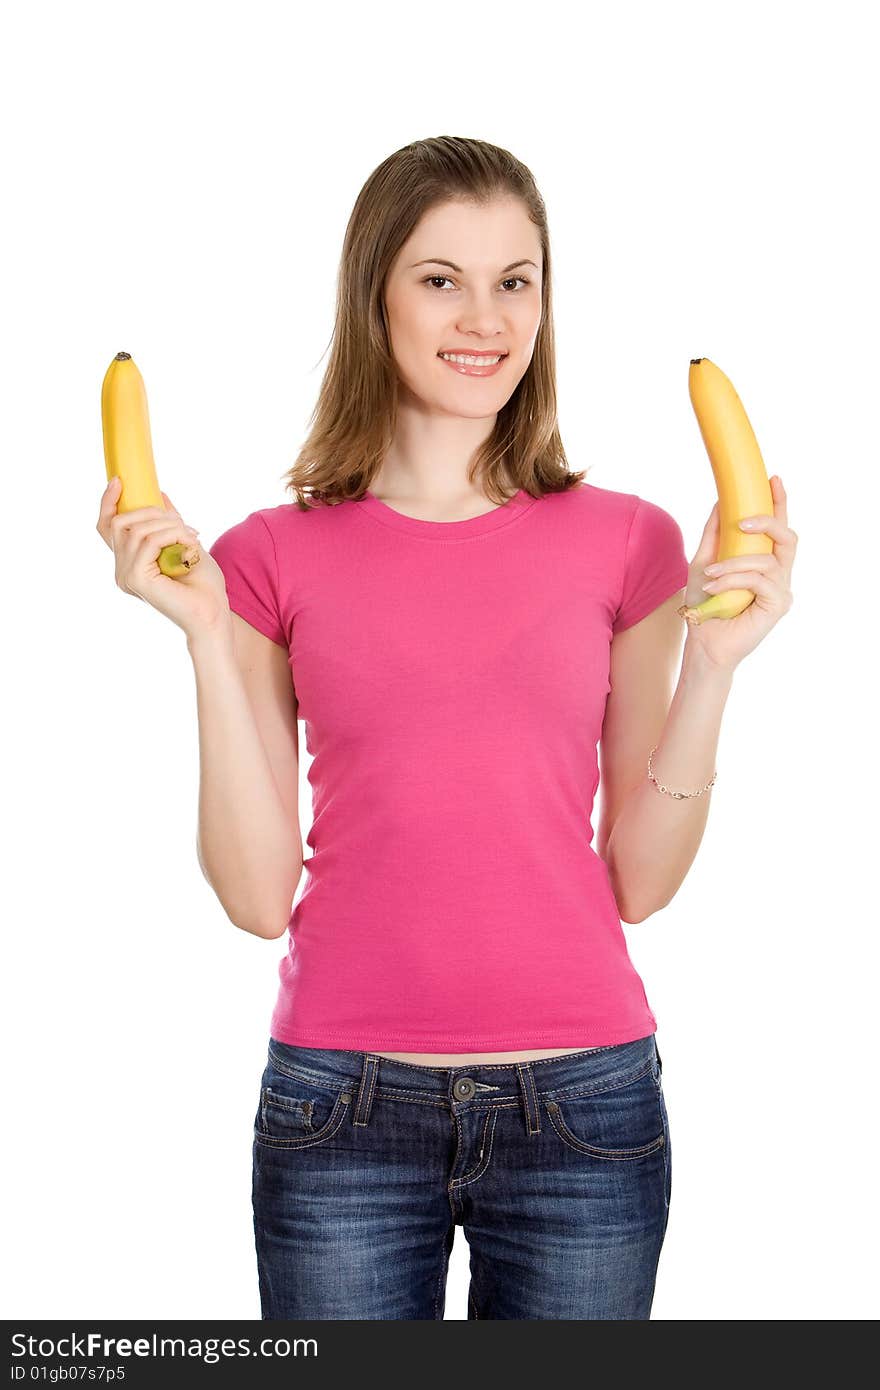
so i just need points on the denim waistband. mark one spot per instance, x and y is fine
(601, 1067)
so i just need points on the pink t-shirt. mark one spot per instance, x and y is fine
(452, 678)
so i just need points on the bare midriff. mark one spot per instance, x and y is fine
(464, 1059)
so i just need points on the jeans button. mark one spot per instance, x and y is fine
(464, 1088)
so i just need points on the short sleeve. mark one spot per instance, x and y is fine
(246, 555)
(655, 564)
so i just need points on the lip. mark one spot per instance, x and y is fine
(464, 370)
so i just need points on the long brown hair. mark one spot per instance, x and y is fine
(353, 422)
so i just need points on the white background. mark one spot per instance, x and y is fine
(178, 179)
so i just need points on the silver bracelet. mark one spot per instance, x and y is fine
(678, 795)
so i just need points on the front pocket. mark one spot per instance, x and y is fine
(625, 1122)
(299, 1115)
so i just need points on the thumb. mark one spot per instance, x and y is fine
(707, 550)
(168, 501)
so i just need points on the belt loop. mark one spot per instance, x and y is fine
(366, 1090)
(657, 1050)
(530, 1097)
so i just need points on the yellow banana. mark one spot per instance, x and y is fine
(740, 478)
(128, 452)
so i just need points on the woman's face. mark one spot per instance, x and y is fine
(487, 301)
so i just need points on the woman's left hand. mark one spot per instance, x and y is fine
(725, 641)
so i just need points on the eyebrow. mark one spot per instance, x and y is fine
(435, 260)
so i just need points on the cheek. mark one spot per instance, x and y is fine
(415, 339)
(534, 326)
(412, 314)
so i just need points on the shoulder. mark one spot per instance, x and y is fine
(628, 515)
(282, 528)
(603, 512)
(589, 499)
(617, 506)
(289, 521)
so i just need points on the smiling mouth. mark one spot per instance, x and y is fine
(478, 357)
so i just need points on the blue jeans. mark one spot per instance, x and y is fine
(558, 1171)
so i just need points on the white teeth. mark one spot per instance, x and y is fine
(470, 361)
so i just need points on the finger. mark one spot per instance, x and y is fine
(131, 537)
(156, 526)
(780, 500)
(780, 505)
(784, 540)
(110, 495)
(145, 549)
(748, 579)
(126, 521)
(709, 540)
(167, 535)
(107, 509)
(737, 563)
(761, 523)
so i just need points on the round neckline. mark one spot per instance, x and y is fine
(447, 530)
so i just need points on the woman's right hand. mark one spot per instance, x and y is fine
(197, 601)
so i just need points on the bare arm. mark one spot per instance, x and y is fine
(649, 840)
(249, 844)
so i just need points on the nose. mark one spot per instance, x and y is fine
(481, 319)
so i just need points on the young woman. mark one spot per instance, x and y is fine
(460, 1036)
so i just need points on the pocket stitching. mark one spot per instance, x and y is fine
(618, 1155)
(335, 1119)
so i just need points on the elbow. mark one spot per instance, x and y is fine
(267, 920)
(274, 920)
(269, 924)
(629, 915)
(271, 932)
(274, 923)
(266, 928)
(632, 913)
(629, 911)
(625, 911)
(632, 917)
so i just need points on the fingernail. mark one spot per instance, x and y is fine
(748, 525)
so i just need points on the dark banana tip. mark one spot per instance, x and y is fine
(123, 356)
(695, 361)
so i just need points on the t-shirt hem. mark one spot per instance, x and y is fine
(648, 602)
(498, 1042)
(255, 618)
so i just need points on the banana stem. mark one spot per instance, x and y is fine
(692, 616)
